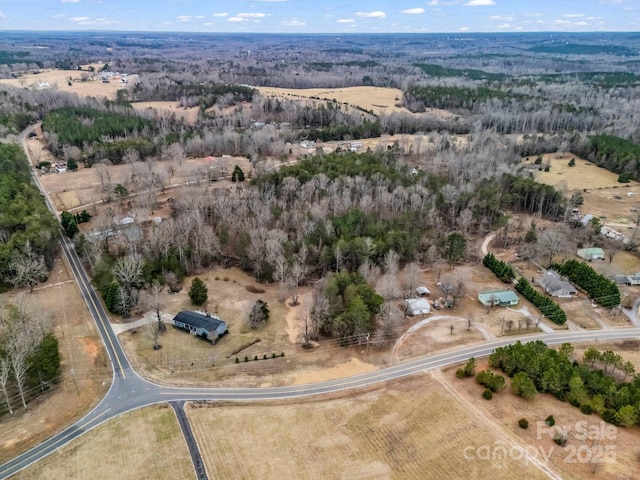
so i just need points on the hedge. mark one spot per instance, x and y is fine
(502, 269)
(548, 307)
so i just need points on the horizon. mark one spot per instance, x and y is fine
(327, 17)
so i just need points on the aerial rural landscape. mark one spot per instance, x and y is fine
(358, 253)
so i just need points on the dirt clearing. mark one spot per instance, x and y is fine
(146, 443)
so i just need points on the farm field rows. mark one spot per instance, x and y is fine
(143, 444)
(408, 430)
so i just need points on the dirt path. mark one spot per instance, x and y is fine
(484, 248)
(509, 438)
(395, 358)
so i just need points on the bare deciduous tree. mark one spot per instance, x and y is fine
(5, 370)
(27, 269)
(552, 243)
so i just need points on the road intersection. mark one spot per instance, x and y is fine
(129, 391)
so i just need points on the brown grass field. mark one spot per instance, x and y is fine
(59, 80)
(410, 429)
(143, 444)
(601, 186)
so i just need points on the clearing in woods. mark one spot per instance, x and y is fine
(410, 429)
(145, 443)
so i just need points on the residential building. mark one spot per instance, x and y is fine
(503, 298)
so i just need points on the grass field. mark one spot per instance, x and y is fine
(143, 444)
(409, 430)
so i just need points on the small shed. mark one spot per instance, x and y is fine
(422, 291)
(417, 306)
(201, 324)
(589, 254)
(503, 298)
(553, 284)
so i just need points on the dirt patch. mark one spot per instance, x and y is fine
(145, 443)
(353, 367)
(438, 336)
(410, 429)
(86, 374)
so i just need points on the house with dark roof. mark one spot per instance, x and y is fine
(553, 284)
(203, 325)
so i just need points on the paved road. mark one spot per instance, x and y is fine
(192, 444)
(129, 391)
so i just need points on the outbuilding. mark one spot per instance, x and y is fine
(417, 306)
(204, 325)
(594, 253)
(503, 298)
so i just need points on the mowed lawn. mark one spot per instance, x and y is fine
(412, 429)
(143, 444)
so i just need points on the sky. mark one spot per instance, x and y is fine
(323, 16)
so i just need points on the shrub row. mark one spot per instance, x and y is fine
(502, 269)
(548, 307)
(597, 286)
(264, 357)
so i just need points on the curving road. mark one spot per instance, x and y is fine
(129, 391)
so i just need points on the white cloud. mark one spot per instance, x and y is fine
(413, 11)
(251, 15)
(573, 15)
(69, 1)
(346, 20)
(292, 23)
(184, 18)
(479, 3)
(434, 3)
(60, 15)
(208, 24)
(464, 29)
(534, 14)
(200, 17)
(221, 14)
(236, 19)
(504, 25)
(501, 18)
(89, 21)
(377, 14)
(3, 15)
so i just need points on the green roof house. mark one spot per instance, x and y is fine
(503, 298)
(589, 254)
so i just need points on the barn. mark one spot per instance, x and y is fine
(203, 325)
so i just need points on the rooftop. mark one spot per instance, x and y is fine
(199, 320)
